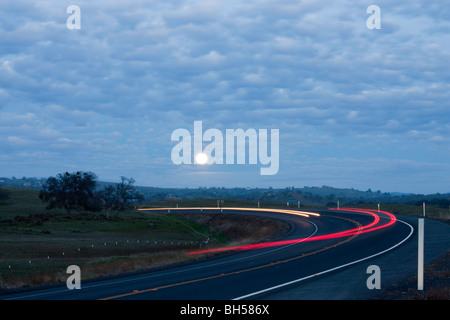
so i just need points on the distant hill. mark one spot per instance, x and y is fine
(308, 196)
(24, 183)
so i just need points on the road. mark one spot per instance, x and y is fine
(316, 248)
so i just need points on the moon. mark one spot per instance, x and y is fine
(201, 158)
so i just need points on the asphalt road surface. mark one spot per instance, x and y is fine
(322, 257)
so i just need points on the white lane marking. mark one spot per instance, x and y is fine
(329, 270)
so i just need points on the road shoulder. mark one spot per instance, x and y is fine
(398, 268)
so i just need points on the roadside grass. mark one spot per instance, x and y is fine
(208, 203)
(407, 209)
(430, 211)
(37, 245)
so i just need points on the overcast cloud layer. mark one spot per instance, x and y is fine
(355, 107)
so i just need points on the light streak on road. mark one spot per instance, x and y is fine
(294, 212)
(363, 229)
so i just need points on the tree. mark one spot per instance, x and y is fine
(120, 196)
(126, 193)
(108, 198)
(71, 191)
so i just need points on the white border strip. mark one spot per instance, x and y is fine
(420, 254)
(329, 270)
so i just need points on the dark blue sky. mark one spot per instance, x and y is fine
(355, 108)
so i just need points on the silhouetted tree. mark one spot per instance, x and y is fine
(71, 191)
(108, 198)
(119, 197)
(126, 193)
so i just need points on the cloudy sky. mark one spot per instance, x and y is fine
(355, 108)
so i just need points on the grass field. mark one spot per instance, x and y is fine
(37, 245)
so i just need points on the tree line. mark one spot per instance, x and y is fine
(78, 191)
(309, 196)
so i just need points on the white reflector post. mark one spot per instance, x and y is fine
(420, 256)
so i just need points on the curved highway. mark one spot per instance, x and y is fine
(318, 243)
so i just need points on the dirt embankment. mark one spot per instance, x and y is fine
(241, 228)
